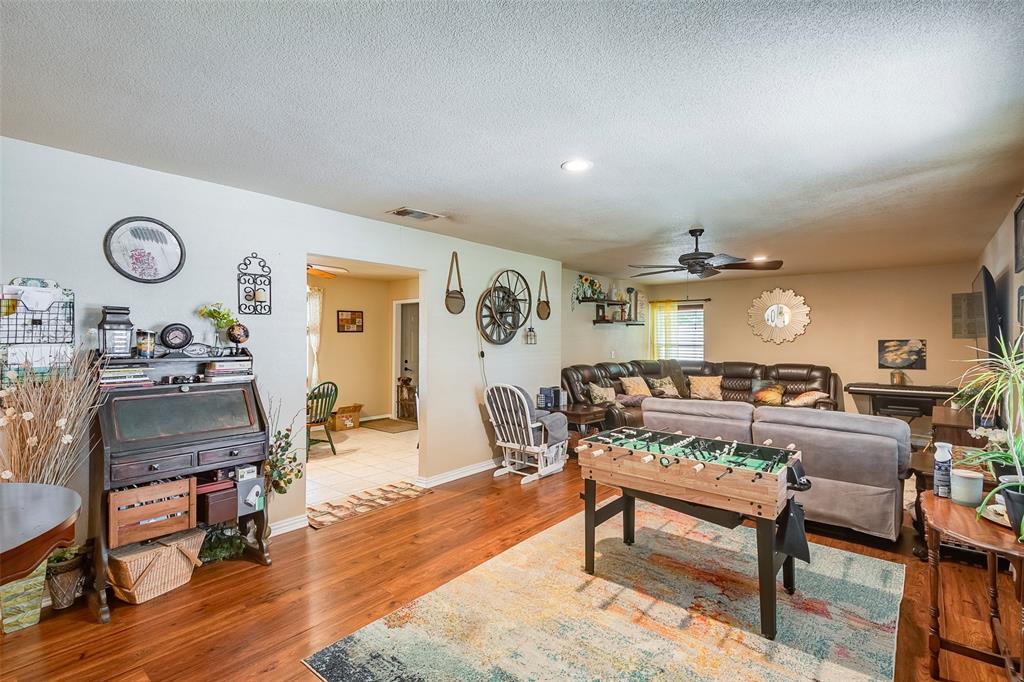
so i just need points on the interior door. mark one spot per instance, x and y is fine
(410, 341)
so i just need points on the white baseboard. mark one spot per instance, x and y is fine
(288, 525)
(375, 417)
(455, 474)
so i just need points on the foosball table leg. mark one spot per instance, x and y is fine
(766, 575)
(628, 519)
(590, 521)
(788, 575)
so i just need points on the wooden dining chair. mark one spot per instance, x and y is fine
(319, 406)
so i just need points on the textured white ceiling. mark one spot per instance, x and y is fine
(832, 135)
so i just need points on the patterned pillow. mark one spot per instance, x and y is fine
(635, 386)
(806, 399)
(766, 392)
(665, 385)
(630, 400)
(601, 394)
(706, 388)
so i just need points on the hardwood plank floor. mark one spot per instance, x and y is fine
(238, 620)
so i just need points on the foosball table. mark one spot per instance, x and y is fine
(719, 481)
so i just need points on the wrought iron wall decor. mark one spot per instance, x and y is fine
(504, 307)
(254, 296)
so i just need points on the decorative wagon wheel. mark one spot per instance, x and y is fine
(492, 326)
(511, 299)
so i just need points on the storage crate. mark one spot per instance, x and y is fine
(345, 417)
(139, 572)
(149, 511)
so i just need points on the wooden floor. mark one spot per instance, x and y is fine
(241, 621)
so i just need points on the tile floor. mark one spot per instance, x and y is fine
(365, 459)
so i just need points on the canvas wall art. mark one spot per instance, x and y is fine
(902, 354)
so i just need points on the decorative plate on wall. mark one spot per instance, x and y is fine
(144, 249)
(778, 315)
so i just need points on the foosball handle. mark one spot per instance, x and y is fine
(597, 453)
(679, 433)
(791, 446)
(581, 448)
(768, 441)
(647, 458)
(699, 467)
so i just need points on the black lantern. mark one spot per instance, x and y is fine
(115, 331)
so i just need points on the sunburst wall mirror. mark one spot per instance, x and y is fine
(779, 316)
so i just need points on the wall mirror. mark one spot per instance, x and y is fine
(144, 250)
(778, 316)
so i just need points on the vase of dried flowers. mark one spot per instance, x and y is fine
(46, 433)
(283, 466)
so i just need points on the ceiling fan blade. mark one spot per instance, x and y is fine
(708, 272)
(654, 266)
(316, 272)
(753, 265)
(659, 272)
(723, 259)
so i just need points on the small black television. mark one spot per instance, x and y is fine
(989, 318)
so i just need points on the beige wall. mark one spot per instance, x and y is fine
(998, 258)
(585, 343)
(850, 312)
(361, 364)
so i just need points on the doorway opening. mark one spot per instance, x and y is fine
(363, 376)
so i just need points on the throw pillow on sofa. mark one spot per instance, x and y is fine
(665, 385)
(635, 386)
(706, 388)
(766, 392)
(806, 399)
(599, 395)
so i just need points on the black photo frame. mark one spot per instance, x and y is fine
(350, 321)
(146, 267)
(1018, 237)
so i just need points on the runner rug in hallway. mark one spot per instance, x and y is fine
(326, 513)
(680, 604)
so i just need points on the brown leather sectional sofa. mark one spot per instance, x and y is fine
(737, 378)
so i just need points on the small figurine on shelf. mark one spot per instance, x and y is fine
(238, 333)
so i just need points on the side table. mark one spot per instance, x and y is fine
(943, 519)
(584, 417)
(922, 466)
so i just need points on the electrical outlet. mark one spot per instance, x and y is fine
(613, 354)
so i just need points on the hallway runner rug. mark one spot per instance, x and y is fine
(680, 604)
(326, 513)
(390, 425)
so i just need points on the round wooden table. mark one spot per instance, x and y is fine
(37, 519)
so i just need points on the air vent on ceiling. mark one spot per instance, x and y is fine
(415, 214)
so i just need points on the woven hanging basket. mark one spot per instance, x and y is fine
(63, 580)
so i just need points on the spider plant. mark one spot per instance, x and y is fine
(993, 381)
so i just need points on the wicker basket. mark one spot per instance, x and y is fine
(63, 580)
(139, 572)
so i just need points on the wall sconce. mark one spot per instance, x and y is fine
(254, 286)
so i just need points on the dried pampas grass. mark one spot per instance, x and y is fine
(46, 420)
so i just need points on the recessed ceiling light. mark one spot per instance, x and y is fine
(577, 165)
(759, 258)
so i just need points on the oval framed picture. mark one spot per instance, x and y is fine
(144, 250)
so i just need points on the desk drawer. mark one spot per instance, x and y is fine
(165, 465)
(235, 453)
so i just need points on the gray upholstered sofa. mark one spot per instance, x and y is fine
(857, 463)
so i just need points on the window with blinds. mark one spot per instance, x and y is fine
(679, 332)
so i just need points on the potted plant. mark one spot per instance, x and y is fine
(221, 317)
(64, 575)
(46, 416)
(994, 381)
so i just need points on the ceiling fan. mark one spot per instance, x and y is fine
(704, 264)
(324, 271)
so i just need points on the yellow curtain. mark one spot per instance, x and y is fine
(660, 326)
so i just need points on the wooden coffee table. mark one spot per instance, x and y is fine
(586, 418)
(946, 520)
(922, 466)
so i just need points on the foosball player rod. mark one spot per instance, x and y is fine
(728, 470)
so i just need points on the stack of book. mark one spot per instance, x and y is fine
(228, 370)
(124, 376)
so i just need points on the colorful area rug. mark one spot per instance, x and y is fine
(680, 604)
(326, 513)
(390, 425)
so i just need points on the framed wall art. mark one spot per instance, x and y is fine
(350, 321)
(144, 250)
(902, 354)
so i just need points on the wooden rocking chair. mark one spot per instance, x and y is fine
(319, 407)
(522, 439)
